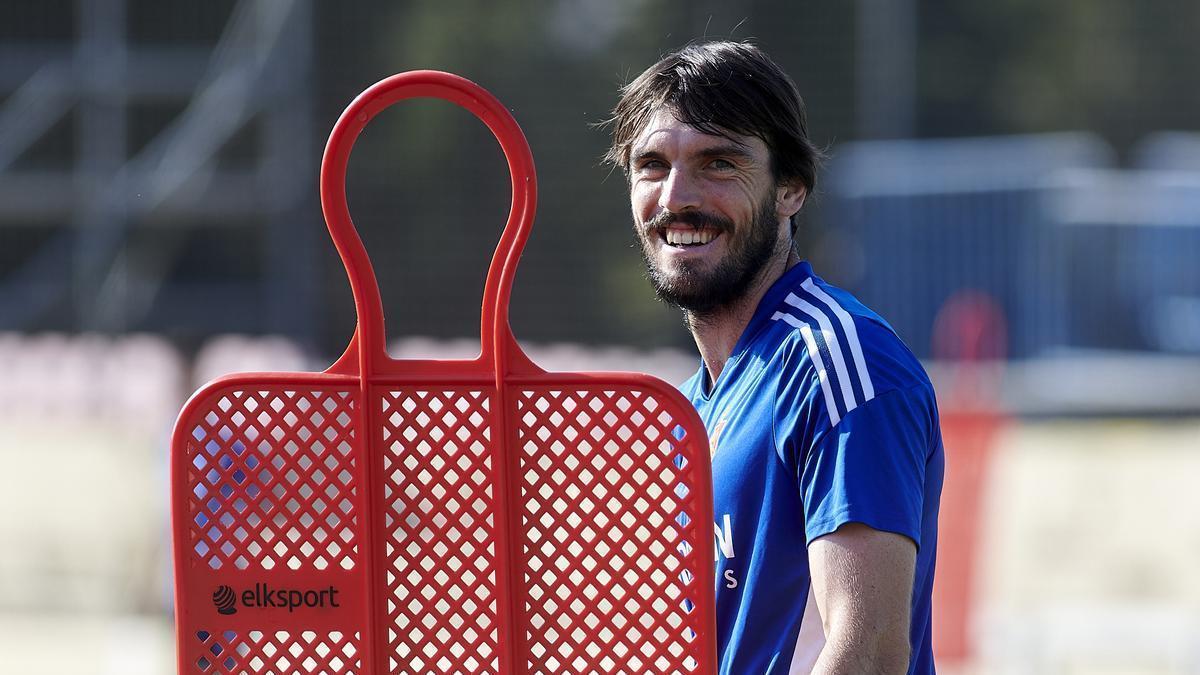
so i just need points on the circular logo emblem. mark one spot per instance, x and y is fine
(225, 600)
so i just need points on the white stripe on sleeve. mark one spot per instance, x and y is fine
(835, 349)
(847, 322)
(815, 354)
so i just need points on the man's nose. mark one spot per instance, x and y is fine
(679, 192)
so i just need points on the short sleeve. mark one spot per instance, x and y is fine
(870, 468)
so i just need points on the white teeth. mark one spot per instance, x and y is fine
(686, 237)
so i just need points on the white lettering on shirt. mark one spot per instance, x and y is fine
(724, 539)
(730, 580)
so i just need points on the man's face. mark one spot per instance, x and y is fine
(705, 211)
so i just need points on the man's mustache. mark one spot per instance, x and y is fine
(696, 219)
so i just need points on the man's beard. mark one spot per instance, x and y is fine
(701, 292)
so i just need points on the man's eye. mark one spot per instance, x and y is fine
(652, 167)
(721, 164)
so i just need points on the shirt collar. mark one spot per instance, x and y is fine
(790, 279)
(772, 299)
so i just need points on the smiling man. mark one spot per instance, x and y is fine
(828, 460)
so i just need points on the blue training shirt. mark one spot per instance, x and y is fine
(820, 417)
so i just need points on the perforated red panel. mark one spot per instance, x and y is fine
(610, 510)
(273, 504)
(272, 481)
(232, 653)
(440, 524)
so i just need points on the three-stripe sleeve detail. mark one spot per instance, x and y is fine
(819, 312)
(835, 350)
(814, 353)
(860, 364)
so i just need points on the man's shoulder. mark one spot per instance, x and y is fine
(831, 322)
(845, 354)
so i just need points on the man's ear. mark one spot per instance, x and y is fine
(789, 197)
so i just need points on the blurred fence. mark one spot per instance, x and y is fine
(139, 140)
(1080, 256)
(1093, 267)
(156, 172)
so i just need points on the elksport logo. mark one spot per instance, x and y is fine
(225, 600)
(262, 596)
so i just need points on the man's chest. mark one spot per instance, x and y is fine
(758, 517)
(745, 465)
(740, 429)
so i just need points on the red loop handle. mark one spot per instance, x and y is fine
(495, 332)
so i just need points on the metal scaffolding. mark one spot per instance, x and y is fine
(84, 272)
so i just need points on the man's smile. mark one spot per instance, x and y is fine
(680, 242)
(688, 236)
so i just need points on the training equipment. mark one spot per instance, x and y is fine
(477, 516)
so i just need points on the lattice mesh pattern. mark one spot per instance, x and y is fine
(610, 533)
(439, 517)
(272, 480)
(277, 653)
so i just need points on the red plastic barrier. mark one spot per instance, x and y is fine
(970, 334)
(478, 516)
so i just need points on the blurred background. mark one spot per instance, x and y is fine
(1014, 184)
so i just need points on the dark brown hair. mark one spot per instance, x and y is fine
(719, 88)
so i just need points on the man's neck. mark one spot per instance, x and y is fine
(717, 333)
